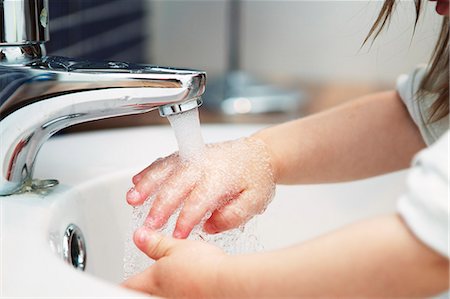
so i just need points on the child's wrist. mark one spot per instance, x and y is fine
(274, 162)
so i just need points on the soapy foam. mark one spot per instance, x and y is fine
(211, 163)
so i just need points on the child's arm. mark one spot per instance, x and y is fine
(369, 136)
(378, 258)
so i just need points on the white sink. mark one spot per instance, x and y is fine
(95, 169)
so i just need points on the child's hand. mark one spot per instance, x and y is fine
(227, 182)
(183, 268)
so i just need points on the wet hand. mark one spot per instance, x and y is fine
(183, 268)
(224, 186)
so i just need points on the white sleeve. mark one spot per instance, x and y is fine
(419, 108)
(407, 87)
(425, 206)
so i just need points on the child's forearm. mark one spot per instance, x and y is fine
(369, 136)
(378, 258)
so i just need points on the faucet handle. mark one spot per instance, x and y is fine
(64, 64)
(59, 63)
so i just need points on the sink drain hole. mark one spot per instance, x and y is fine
(74, 247)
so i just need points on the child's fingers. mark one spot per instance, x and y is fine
(200, 202)
(142, 282)
(195, 207)
(232, 215)
(169, 198)
(149, 184)
(138, 177)
(157, 166)
(154, 244)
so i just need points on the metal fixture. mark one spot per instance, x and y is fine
(172, 109)
(40, 95)
(238, 92)
(23, 21)
(74, 247)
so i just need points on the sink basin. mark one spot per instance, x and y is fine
(95, 169)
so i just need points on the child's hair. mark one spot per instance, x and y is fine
(436, 80)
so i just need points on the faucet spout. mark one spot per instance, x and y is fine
(44, 95)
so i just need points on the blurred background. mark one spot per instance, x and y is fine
(273, 60)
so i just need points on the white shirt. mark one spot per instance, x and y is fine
(425, 205)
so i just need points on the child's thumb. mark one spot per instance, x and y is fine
(153, 244)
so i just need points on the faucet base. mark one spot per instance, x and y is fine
(38, 186)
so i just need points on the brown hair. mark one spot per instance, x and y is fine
(436, 80)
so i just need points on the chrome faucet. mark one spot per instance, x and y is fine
(40, 95)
